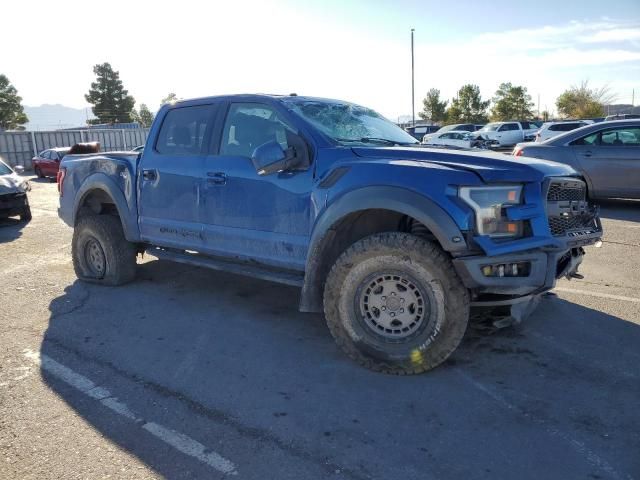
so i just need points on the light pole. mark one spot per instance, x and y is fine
(413, 101)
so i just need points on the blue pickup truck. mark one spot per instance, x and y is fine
(395, 242)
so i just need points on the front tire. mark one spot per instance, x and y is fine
(39, 173)
(101, 254)
(25, 216)
(394, 304)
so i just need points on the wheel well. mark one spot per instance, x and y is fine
(96, 202)
(344, 233)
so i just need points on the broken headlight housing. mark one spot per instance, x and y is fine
(489, 203)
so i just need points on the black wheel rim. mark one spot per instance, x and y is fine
(393, 305)
(95, 258)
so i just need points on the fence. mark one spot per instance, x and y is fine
(17, 148)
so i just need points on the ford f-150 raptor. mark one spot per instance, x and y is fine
(395, 242)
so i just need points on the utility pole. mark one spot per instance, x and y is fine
(538, 105)
(413, 101)
(633, 97)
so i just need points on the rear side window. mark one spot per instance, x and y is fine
(184, 130)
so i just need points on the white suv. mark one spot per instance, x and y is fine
(551, 129)
(505, 133)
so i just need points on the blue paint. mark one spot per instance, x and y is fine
(216, 203)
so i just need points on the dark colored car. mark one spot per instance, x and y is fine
(607, 154)
(13, 193)
(47, 162)
(394, 241)
(420, 131)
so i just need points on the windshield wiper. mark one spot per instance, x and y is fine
(384, 141)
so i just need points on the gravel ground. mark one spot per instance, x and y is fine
(190, 373)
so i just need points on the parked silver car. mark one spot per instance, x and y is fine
(606, 153)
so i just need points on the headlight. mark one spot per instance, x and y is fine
(488, 204)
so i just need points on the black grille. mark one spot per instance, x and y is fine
(567, 208)
(561, 225)
(566, 191)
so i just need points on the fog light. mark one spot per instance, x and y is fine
(518, 269)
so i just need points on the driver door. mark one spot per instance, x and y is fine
(265, 219)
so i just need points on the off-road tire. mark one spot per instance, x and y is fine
(434, 274)
(105, 234)
(25, 216)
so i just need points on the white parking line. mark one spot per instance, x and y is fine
(579, 447)
(597, 294)
(181, 442)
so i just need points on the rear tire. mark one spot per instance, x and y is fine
(101, 254)
(394, 304)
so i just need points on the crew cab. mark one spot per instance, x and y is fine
(394, 241)
(507, 134)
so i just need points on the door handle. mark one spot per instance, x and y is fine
(217, 178)
(149, 174)
(587, 154)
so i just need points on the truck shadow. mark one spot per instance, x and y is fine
(200, 351)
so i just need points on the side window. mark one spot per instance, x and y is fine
(526, 125)
(43, 154)
(183, 130)
(621, 137)
(249, 125)
(592, 139)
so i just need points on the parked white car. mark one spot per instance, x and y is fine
(453, 138)
(466, 127)
(505, 133)
(551, 129)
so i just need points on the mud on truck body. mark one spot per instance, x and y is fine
(394, 242)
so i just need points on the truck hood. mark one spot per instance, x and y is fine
(12, 183)
(489, 166)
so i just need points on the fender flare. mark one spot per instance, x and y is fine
(127, 212)
(398, 199)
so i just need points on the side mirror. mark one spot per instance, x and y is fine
(270, 158)
(19, 169)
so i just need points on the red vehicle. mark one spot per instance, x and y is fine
(47, 162)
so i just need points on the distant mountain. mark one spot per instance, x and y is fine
(55, 117)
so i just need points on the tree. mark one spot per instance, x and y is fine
(468, 106)
(143, 116)
(111, 102)
(511, 103)
(172, 97)
(433, 109)
(583, 102)
(12, 114)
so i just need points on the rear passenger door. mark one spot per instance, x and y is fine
(510, 134)
(170, 178)
(611, 160)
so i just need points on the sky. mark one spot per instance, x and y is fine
(350, 49)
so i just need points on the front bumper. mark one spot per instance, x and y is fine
(13, 204)
(545, 268)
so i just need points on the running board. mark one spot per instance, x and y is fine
(196, 259)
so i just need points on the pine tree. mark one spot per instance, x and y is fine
(468, 106)
(12, 114)
(111, 102)
(433, 109)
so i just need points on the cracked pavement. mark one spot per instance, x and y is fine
(194, 367)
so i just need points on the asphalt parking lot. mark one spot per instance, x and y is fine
(190, 373)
